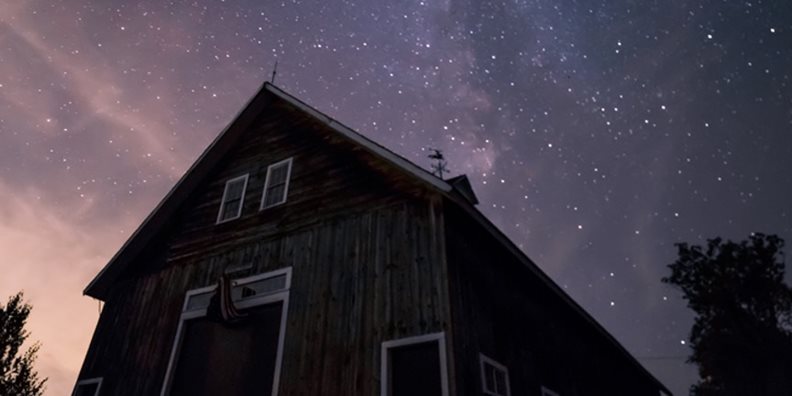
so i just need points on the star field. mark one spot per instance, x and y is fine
(596, 134)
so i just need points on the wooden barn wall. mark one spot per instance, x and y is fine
(357, 281)
(364, 246)
(502, 310)
(329, 175)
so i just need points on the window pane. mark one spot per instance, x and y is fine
(500, 381)
(489, 377)
(234, 190)
(275, 186)
(230, 209)
(415, 370)
(278, 174)
(274, 195)
(87, 389)
(232, 199)
(259, 288)
(255, 289)
(216, 359)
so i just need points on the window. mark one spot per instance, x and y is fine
(548, 392)
(88, 387)
(494, 377)
(276, 187)
(213, 358)
(414, 366)
(233, 199)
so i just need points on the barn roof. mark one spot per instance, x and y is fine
(457, 190)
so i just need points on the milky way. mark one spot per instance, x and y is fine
(596, 133)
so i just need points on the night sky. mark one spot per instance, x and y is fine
(595, 133)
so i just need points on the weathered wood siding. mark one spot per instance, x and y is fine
(502, 310)
(364, 245)
(329, 175)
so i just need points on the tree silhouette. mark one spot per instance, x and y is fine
(741, 336)
(17, 376)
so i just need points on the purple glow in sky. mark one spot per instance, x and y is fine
(595, 133)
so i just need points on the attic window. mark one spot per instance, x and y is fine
(494, 377)
(233, 198)
(548, 392)
(88, 387)
(276, 187)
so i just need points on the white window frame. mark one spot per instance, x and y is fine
(483, 360)
(285, 187)
(225, 194)
(275, 296)
(548, 392)
(385, 359)
(89, 381)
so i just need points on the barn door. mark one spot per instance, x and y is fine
(216, 358)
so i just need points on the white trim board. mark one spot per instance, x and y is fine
(97, 380)
(548, 392)
(484, 359)
(385, 370)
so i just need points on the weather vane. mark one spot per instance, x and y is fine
(439, 167)
(274, 72)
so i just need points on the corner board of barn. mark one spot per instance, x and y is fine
(298, 257)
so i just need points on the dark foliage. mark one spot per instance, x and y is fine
(741, 337)
(17, 376)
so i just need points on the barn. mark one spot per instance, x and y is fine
(298, 257)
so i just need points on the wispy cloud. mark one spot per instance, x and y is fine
(97, 89)
(51, 260)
